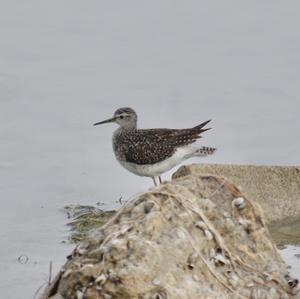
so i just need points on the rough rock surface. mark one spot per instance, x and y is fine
(196, 237)
(275, 188)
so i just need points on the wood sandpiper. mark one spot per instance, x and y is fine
(152, 152)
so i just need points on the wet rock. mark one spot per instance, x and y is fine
(275, 188)
(174, 242)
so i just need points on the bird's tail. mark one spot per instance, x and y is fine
(204, 151)
(200, 128)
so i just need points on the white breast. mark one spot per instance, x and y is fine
(151, 170)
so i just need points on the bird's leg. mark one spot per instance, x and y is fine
(153, 178)
(159, 179)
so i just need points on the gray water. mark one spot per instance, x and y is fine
(67, 64)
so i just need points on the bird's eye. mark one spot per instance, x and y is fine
(121, 116)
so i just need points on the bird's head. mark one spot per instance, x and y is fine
(125, 117)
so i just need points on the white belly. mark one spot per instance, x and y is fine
(151, 170)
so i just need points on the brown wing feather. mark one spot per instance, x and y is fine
(179, 137)
(155, 145)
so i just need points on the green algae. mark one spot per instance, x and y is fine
(285, 232)
(84, 219)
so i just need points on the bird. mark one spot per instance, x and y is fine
(152, 152)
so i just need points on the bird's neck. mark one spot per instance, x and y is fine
(129, 127)
(120, 132)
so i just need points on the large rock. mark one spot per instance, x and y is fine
(196, 237)
(275, 188)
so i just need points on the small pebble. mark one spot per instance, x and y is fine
(239, 203)
(101, 279)
(79, 294)
(226, 215)
(209, 236)
(201, 225)
(220, 260)
(156, 282)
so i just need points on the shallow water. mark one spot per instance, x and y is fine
(66, 64)
(291, 255)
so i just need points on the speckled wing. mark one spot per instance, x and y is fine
(155, 145)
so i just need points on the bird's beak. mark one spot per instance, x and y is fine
(110, 120)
